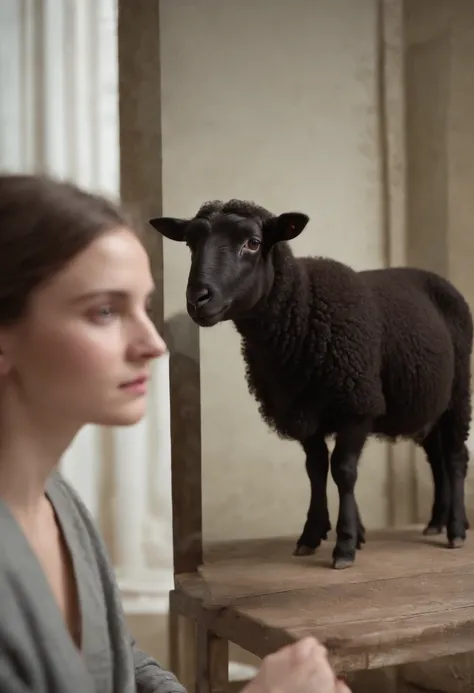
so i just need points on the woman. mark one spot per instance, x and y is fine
(76, 343)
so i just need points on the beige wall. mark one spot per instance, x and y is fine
(277, 102)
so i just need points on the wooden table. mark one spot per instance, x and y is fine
(407, 598)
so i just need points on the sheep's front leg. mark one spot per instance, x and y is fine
(317, 523)
(344, 462)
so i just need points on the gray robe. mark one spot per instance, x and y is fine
(37, 654)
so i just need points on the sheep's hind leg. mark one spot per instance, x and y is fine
(437, 453)
(457, 461)
(344, 463)
(432, 446)
(317, 523)
(454, 431)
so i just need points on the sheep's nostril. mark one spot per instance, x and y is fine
(203, 297)
(199, 297)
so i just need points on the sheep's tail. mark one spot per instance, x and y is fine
(458, 317)
(454, 309)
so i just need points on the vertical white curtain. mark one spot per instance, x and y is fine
(59, 114)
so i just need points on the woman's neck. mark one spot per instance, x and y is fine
(31, 446)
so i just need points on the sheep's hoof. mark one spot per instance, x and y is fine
(432, 530)
(302, 550)
(342, 563)
(343, 557)
(456, 543)
(309, 540)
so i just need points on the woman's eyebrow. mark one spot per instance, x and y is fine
(115, 293)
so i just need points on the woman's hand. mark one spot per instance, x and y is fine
(302, 667)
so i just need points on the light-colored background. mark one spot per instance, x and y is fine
(254, 107)
(279, 102)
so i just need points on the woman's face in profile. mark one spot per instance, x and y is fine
(83, 350)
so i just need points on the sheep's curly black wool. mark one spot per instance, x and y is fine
(334, 351)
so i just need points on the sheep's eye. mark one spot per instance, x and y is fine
(253, 244)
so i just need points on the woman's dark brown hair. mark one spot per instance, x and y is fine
(44, 223)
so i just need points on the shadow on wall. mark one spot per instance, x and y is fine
(182, 336)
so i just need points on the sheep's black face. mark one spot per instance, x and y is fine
(231, 269)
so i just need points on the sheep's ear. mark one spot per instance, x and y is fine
(285, 227)
(170, 227)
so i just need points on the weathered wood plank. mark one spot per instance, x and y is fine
(245, 568)
(408, 598)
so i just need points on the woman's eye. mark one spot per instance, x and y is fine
(106, 311)
(253, 244)
(103, 313)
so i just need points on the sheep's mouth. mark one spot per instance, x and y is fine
(204, 319)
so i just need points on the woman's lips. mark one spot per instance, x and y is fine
(137, 386)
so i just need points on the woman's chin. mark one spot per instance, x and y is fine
(128, 415)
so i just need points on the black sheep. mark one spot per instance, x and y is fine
(331, 351)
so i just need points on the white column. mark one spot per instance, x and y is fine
(159, 535)
(131, 451)
(11, 81)
(106, 97)
(30, 84)
(142, 456)
(55, 134)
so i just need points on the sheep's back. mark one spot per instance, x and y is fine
(418, 346)
(331, 345)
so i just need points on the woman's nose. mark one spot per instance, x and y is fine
(146, 343)
(150, 344)
(160, 345)
(154, 346)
